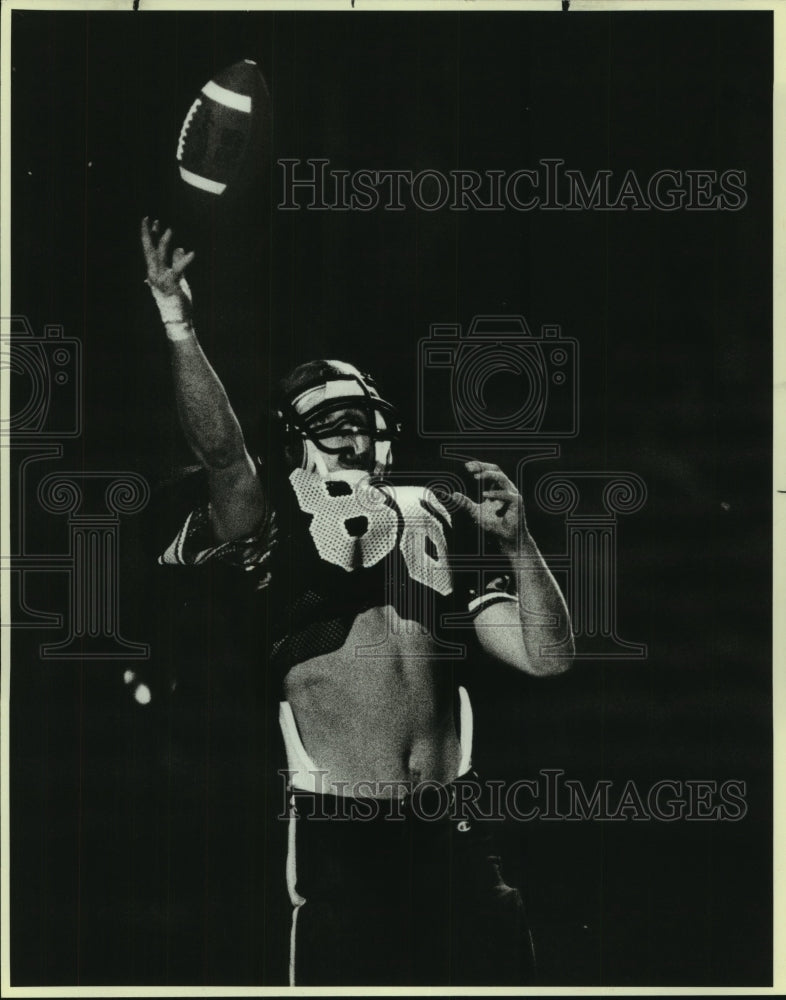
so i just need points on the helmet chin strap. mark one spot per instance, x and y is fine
(383, 455)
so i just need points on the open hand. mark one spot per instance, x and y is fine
(163, 274)
(501, 510)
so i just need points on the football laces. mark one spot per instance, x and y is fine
(188, 119)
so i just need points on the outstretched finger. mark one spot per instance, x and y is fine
(463, 502)
(494, 475)
(163, 245)
(147, 242)
(499, 495)
(181, 260)
(476, 466)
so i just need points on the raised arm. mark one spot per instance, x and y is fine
(237, 502)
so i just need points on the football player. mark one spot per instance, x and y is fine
(389, 884)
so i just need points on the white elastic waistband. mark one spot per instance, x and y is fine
(304, 774)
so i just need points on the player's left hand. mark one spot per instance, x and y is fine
(501, 510)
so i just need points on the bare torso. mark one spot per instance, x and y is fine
(381, 715)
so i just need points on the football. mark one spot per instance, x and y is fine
(225, 137)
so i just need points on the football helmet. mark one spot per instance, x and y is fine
(326, 407)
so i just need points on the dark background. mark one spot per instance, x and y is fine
(142, 850)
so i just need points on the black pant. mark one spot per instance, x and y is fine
(400, 900)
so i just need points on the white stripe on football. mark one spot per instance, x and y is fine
(240, 102)
(203, 183)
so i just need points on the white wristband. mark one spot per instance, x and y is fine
(179, 329)
(174, 308)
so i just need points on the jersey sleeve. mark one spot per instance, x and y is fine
(195, 545)
(497, 587)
